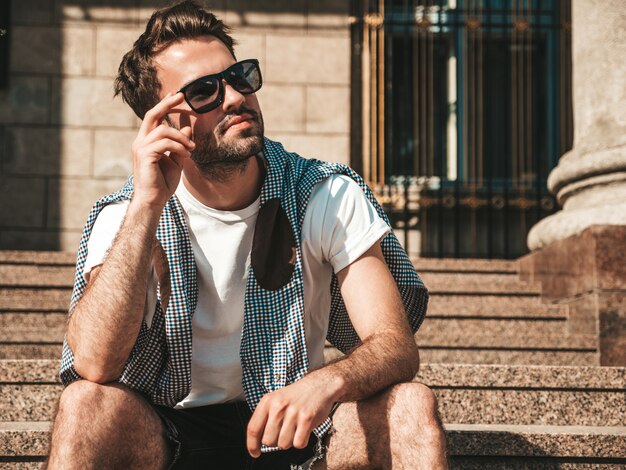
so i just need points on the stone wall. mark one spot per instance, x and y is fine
(64, 140)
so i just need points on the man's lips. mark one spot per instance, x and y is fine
(238, 120)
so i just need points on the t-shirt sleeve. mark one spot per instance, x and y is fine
(103, 234)
(340, 223)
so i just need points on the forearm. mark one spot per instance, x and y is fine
(103, 327)
(383, 359)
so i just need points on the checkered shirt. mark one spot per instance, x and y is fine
(273, 348)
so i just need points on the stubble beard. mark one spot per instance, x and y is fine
(219, 159)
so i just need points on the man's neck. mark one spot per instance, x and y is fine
(236, 192)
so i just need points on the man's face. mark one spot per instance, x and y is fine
(226, 136)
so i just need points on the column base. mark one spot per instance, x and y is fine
(587, 272)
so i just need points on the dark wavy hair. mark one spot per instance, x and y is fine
(137, 79)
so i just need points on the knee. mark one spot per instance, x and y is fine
(417, 403)
(84, 401)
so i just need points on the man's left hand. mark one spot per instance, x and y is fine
(286, 417)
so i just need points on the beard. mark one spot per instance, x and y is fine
(219, 159)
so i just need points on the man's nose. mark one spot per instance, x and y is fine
(232, 98)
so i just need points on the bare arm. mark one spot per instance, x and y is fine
(387, 355)
(104, 325)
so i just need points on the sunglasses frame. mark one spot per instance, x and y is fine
(221, 77)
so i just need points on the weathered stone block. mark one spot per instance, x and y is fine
(104, 11)
(48, 151)
(282, 107)
(29, 240)
(312, 59)
(250, 46)
(23, 201)
(328, 109)
(32, 11)
(330, 148)
(89, 101)
(147, 7)
(25, 101)
(328, 14)
(112, 152)
(265, 13)
(70, 199)
(111, 45)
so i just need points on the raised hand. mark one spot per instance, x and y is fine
(158, 154)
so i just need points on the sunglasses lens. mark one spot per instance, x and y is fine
(245, 77)
(202, 93)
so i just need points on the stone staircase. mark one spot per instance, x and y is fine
(516, 388)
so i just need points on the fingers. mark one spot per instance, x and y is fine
(166, 132)
(256, 427)
(168, 145)
(155, 116)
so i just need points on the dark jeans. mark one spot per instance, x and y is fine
(214, 436)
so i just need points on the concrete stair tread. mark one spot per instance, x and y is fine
(40, 300)
(30, 439)
(524, 440)
(468, 265)
(438, 283)
(60, 258)
(459, 339)
(36, 275)
(492, 306)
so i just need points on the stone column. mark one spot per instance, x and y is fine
(590, 180)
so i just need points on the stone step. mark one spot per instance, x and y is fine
(503, 327)
(468, 394)
(569, 444)
(454, 265)
(451, 354)
(496, 445)
(495, 306)
(422, 264)
(60, 258)
(30, 275)
(20, 275)
(29, 351)
(34, 299)
(516, 357)
(50, 327)
(445, 283)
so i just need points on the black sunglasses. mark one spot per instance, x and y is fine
(207, 93)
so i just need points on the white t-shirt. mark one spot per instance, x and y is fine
(339, 226)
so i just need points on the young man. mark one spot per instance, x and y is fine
(206, 287)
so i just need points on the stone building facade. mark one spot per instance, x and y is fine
(64, 139)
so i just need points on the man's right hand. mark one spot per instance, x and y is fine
(157, 173)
